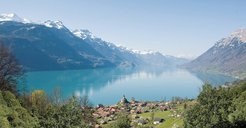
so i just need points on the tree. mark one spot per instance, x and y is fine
(218, 107)
(85, 104)
(210, 109)
(152, 117)
(122, 121)
(56, 97)
(10, 70)
(68, 115)
(39, 100)
(84, 101)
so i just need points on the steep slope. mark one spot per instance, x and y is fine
(52, 46)
(39, 47)
(123, 56)
(108, 50)
(227, 56)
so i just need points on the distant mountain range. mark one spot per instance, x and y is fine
(227, 56)
(52, 46)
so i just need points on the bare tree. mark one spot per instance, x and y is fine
(56, 96)
(10, 70)
(84, 101)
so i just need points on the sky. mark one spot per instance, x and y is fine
(184, 28)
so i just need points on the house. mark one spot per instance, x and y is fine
(142, 104)
(133, 101)
(100, 106)
(164, 108)
(158, 120)
(96, 115)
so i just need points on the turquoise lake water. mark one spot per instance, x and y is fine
(108, 85)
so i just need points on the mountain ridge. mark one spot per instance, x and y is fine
(227, 56)
(52, 46)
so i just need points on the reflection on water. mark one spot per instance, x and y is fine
(107, 85)
(212, 78)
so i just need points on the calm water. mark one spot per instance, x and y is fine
(108, 85)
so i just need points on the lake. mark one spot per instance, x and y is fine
(108, 85)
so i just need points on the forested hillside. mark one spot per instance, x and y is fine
(223, 107)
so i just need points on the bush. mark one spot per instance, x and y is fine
(122, 122)
(12, 114)
(67, 115)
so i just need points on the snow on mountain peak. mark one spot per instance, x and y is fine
(145, 52)
(83, 33)
(240, 33)
(139, 52)
(238, 36)
(12, 17)
(54, 24)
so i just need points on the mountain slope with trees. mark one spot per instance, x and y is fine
(223, 107)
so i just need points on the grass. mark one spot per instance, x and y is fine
(158, 114)
(169, 121)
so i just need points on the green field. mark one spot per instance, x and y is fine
(169, 121)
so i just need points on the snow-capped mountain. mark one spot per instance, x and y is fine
(83, 34)
(38, 47)
(115, 54)
(227, 56)
(238, 35)
(122, 55)
(145, 52)
(54, 24)
(52, 46)
(12, 17)
(86, 34)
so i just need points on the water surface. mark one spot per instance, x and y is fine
(108, 85)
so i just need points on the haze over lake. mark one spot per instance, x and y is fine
(108, 85)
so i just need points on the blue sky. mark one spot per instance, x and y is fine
(174, 27)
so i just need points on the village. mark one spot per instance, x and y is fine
(108, 114)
